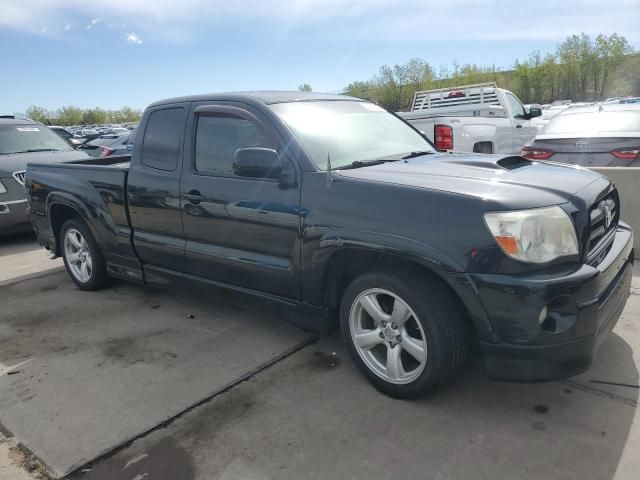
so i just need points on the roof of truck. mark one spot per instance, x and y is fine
(10, 120)
(267, 97)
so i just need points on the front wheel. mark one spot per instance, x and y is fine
(83, 259)
(406, 333)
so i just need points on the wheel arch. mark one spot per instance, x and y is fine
(60, 208)
(346, 264)
(484, 146)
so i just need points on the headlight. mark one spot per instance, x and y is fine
(2, 189)
(537, 236)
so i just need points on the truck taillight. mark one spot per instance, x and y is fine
(443, 136)
(533, 153)
(632, 153)
(106, 151)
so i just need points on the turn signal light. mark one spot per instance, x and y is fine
(508, 244)
(632, 153)
(536, 153)
(443, 136)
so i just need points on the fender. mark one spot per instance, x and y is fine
(317, 276)
(103, 232)
(386, 243)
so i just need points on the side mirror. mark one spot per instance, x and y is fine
(257, 162)
(535, 112)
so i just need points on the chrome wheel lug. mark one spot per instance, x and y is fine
(394, 326)
(398, 338)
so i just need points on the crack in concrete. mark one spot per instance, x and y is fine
(600, 393)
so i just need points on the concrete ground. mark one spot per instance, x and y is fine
(310, 414)
(22, 257)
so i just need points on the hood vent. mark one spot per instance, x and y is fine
(513, 162)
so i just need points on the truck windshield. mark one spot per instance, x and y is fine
(349, 131)
(29, 138)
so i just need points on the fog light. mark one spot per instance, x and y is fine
(559, 315)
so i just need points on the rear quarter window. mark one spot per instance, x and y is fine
(161, 142)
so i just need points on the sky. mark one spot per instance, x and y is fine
(132, 52)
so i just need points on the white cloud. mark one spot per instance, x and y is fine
(387, 20)
(67, 27)
(133, 39)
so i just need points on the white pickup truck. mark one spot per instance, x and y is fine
(478, 118)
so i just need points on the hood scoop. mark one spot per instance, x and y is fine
(513, 162)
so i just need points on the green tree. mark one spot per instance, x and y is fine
(94, 116)
(38, 114)
(70, 115)
(610, 52)
(523, 85)
(365, 90)
(305, 87)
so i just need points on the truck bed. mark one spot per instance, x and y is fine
(95, 187)
(117, 161)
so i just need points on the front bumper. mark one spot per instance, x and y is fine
(13, 217)
(587, 302)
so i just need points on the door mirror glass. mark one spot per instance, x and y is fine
(535, 112)
(257, 162)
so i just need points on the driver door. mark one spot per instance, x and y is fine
(240, 231)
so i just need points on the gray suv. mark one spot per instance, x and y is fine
(21, 142)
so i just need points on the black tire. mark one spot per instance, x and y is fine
(99, 277)
(437, 311)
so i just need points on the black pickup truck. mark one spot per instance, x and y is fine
(336, 206)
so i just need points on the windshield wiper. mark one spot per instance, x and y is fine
(417, 153)
(367, 163)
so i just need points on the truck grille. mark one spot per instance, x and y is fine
(604, 216)
(19, 176)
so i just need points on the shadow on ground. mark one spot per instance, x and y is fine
(12, 244)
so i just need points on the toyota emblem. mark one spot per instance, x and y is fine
(582, 144)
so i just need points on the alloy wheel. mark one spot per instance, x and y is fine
(387, 335)
(78, 255)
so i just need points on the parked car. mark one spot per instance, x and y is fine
(333, 205)
(115, 131)
(23, 141)
(548, 114)
(68, 136)
(597, 136)
(88, 133)
(107, 145)
(478, 118)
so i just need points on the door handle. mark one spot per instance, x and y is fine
(194, 196)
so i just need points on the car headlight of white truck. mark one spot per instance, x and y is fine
(538, 235)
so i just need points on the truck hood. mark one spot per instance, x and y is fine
(18, 161)
(512, 182)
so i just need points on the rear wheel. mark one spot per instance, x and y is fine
(83, 259)
(406, 334)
